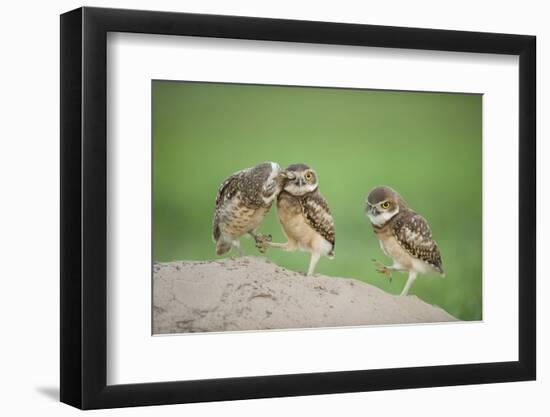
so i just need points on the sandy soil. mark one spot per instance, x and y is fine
(252, 293)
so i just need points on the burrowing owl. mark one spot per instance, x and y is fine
(304, 216)
(404, 236)
(242, 202)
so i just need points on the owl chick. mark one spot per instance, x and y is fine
(304, 216)
(404, 236)
(242, 202)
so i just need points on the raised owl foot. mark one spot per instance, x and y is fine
(383, 269)
(262, 242)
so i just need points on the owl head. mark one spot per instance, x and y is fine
(300, 179)
(382, 204)
(268, 177)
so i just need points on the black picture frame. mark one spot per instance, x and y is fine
(84, 207)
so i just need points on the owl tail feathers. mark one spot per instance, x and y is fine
(222, 247)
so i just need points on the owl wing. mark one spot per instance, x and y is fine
(318, 216)
(227, 190)
(414, 235)
(229, 187)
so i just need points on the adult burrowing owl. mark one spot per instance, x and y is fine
(304, 216)
(403, 234)
(242, 202)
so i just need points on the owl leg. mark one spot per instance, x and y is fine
(410, 280)
(264, 242)
(237, 246)
(284, 246)
(312, 262)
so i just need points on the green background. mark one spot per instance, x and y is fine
(427, 146)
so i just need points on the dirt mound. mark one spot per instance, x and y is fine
(252, 293)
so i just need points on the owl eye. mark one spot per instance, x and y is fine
(308, 176)
(385, 205)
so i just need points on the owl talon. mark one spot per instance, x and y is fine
(261, 242)
(383, 269)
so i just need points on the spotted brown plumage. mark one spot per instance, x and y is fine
(242, 202)
(318, 216)
(226, 191)
(413, 233)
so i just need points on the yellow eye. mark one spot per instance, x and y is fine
(308, 176)
(385, 205)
